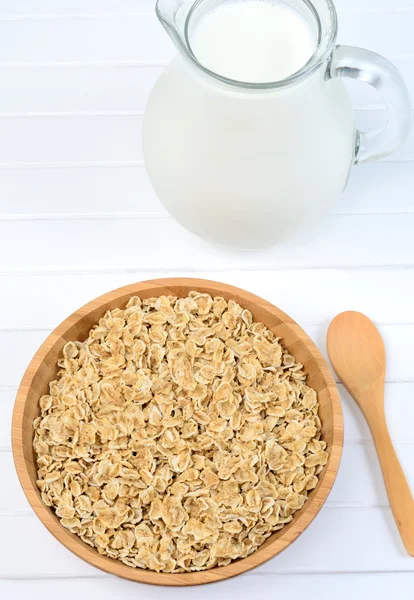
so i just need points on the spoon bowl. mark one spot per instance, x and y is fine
(356, 351)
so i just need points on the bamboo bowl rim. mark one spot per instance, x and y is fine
(33, 386)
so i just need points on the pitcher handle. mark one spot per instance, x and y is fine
(363, 65)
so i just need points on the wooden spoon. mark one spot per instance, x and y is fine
(357, 354)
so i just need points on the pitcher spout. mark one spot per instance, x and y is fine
(173, 16)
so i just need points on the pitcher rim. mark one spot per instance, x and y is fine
(323, 49)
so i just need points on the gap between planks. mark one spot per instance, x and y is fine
(124, 63)
(116, 164)
(188, 271)
(127, 113)
(252, 573)
(109, 164)
(128, 216)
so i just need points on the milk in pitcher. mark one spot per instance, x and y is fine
(254, 41)
(239, 165)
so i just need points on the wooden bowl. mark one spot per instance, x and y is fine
(43, 369)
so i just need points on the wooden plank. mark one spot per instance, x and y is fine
(84, 139)
(102, 7)
(296, 587)
(387, 33)
(54, 297)
(7, 397)
(129, 38)
(77, 7)
(375, 6)
(71, 192)
(383, 187)
(147, 243)
(59, 89)
(115, 88)
(373, 188)
(99, 7)
(71, 139)
(123, 38)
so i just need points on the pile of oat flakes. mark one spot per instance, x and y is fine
(179, 435)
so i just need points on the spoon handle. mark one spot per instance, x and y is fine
(399, 494)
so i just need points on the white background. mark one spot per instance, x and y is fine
(78, 218)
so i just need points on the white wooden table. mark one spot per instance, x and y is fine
(78, 218)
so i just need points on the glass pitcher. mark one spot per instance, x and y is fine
(248, 164)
